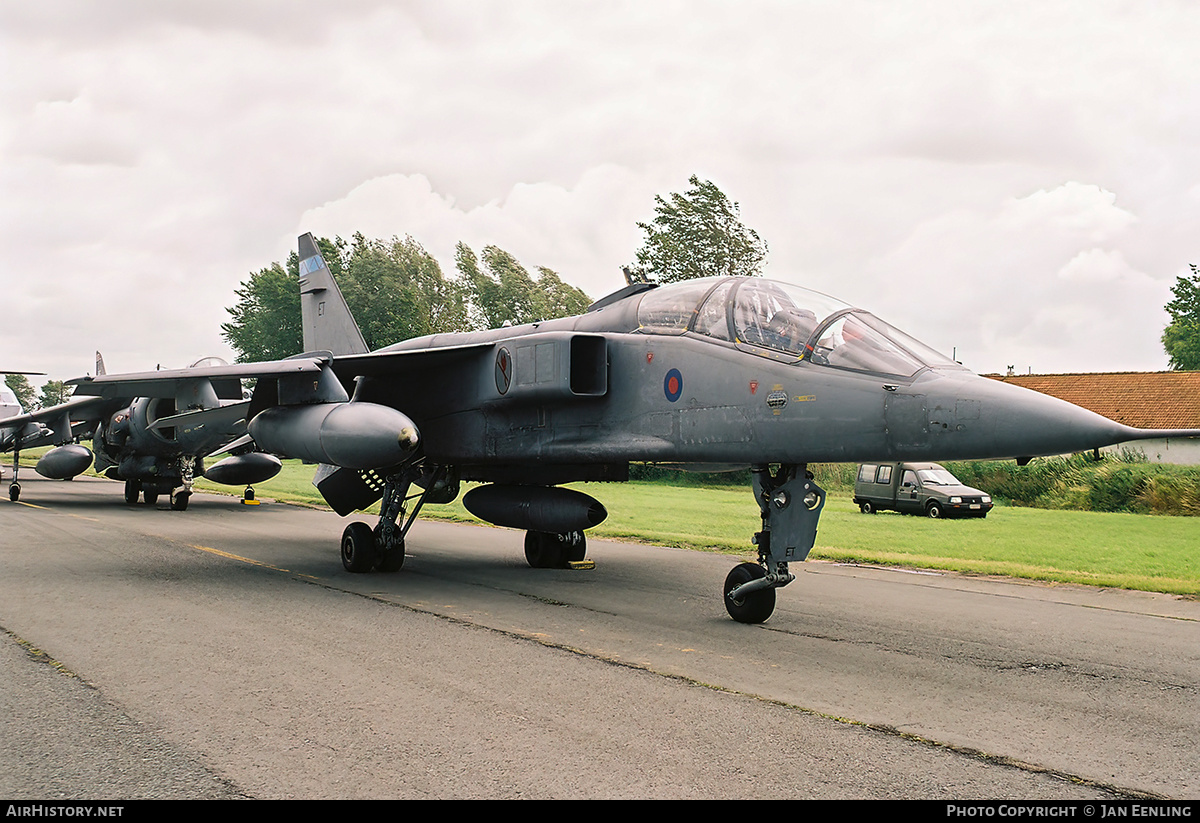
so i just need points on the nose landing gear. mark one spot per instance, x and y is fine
(790, 503)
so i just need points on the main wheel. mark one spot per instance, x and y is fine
(150, 496)
(132, 489)
(866, 507)
(358, 548)
(390, 558)
(754, 607)
(14, 492)
(934, 510)
(179, 501)
(543, 550)
(574, 546)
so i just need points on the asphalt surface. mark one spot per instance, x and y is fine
(223, 652)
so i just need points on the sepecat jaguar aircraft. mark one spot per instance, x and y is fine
(156, 445)
(711, 373)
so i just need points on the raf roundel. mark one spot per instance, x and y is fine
(673, 385)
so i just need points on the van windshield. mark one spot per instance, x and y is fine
(938, 477)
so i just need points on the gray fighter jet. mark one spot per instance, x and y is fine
(64, 423)
(724, 372)
(154, 445)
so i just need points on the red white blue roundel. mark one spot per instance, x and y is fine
(673, 385)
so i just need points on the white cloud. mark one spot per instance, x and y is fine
(1098, 266)
(1073, 208)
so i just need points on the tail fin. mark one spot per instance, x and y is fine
(100, 364)
(327, 322)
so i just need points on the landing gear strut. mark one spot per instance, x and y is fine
(790, 504)
(14, 488)
(181, 495)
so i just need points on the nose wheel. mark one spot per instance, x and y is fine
(751, 607)
(790, 504)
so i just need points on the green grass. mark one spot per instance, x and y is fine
(1135, 551)
(1147, 552)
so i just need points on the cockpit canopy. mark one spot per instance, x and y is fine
(785, 322)
(206, 362)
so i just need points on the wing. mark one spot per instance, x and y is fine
(54, 424)
(289, 375)
(180, 383)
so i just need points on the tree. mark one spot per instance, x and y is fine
(265, 322)
(1181, 338)
(698, 234)
(506, 293)
(394, 289)
(23, 389)
(53, 393)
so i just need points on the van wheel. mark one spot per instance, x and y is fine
(934, 510)
(866, 507)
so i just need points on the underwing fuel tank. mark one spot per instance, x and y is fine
(535, 508)
(352, 435)
(244, 469)
(64, 462)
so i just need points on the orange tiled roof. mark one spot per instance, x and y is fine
(1147, 400)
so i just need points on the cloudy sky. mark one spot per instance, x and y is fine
(1019, 183)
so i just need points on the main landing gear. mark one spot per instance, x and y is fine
(14, 488)
(183, 493)
(544, 550)
(790, 504)
(148, 492)
(382, 548)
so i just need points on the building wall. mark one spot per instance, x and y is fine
(1182, 451)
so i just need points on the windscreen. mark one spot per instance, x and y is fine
(938, 477)
(779, 316)
(785, 319)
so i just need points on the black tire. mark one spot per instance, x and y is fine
(866, 507)
(150, 496)
(934, 510)
(14, 492)
(133, 488)
(358, 548)
(248, 494)
(544, 551)
(390, 558)
(754, 607)
(574, 547)
(179, 502)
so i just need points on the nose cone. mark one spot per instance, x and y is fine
(968, 417)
